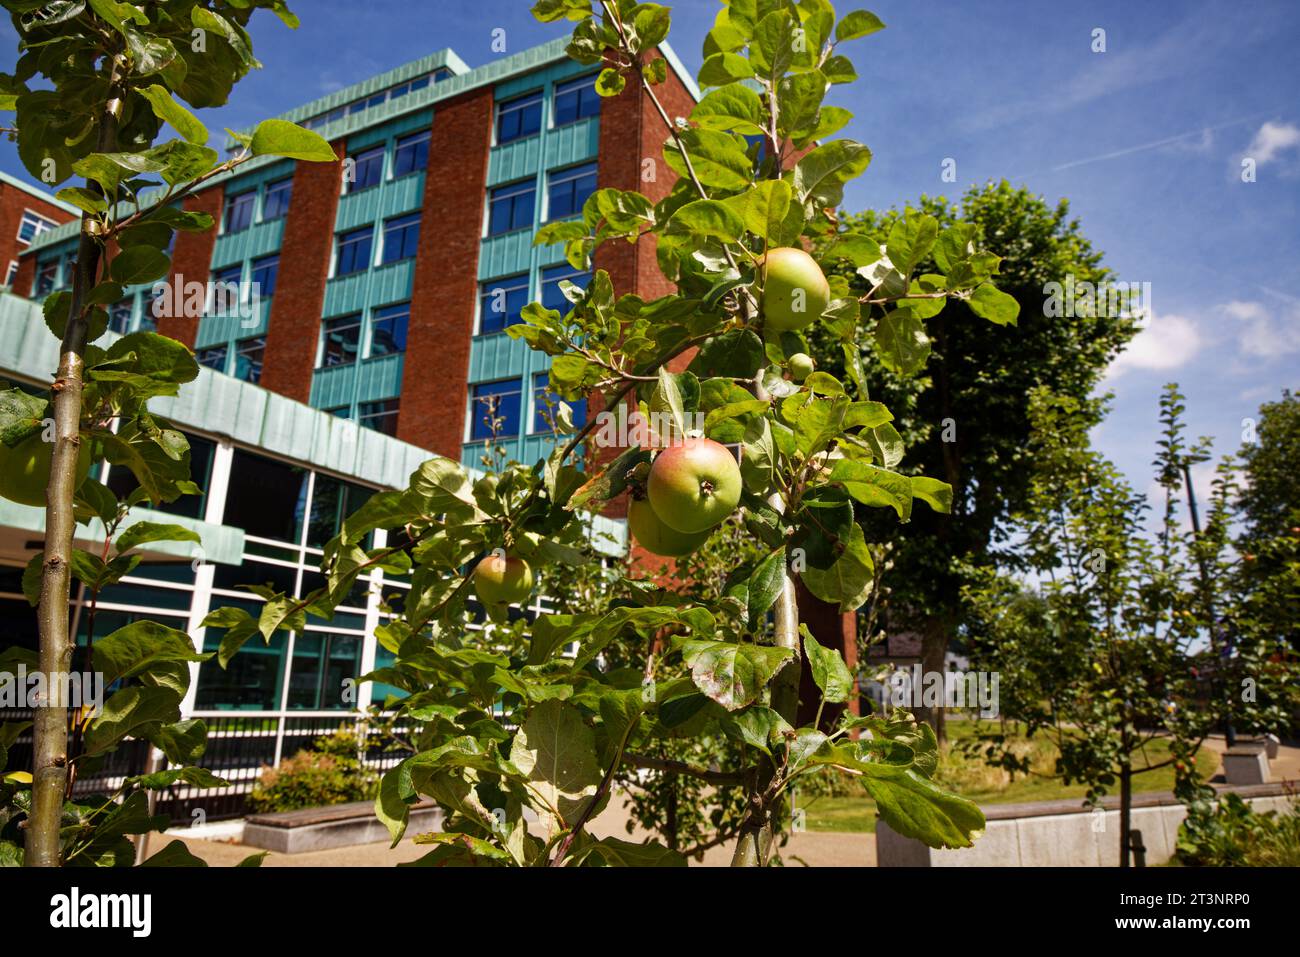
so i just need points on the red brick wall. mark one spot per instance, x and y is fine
(435, 375)
(192, 262)
(13, 201)
(294, 328)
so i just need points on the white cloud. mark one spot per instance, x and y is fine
(1264, 331)
(1271, 140)
(1166, 341)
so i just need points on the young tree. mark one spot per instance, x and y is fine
(93, 88)
(1122, 642)
(502, 732)
(960, 389)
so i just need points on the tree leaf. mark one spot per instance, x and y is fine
(732, 674)
(281, 138)
(169, 111)
(829, 671)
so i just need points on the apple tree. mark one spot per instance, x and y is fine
(95, 84)
(519, 730)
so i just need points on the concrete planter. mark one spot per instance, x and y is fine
(1062, 834)
(318, 829)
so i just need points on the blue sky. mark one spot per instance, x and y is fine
(1145, 139)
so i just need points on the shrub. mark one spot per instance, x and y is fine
(1231, 834)
(330, 772)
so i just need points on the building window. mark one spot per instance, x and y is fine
(239, 211)
(248, 358)
(519, 117)
(354, 251)
(276, 202)
(340, 341)
(47, 274)
(401, 238)
(552, 295)
(411, 154)
(263, 275)
(213, 358)
(32, 225)
(226, 293)
(511, 207)
(388, 329)
(495, 404)
(568, 189)
(501, 302)
(12, 273)
(69, 270)
(119, 316)
(546, 405)
(340, 412)
(368, 169)
(380, 416)
(576, 100)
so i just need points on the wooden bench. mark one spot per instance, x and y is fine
(339, 825)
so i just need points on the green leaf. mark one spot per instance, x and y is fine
(737, 353)
(875, 486)
(901, 342)
(556, 751)
(83, 198)
(139, 264)
(281, 138)
(169, 111)
(183, 742)
(159, 656)
(610, 82)
(936, 494)
(175, 854)
(991, 303)
(141, 533)
(859, 23)
(734, 107)
(848, 580)
(616, 852)
(820, 176)
(769, 213)
(708, 219)
(732, 674)
(918, 808)
(719, 159)
(910, 241)
(239, 625)
(128, 711)
(765, 585)
(723, 68)
(829, 671)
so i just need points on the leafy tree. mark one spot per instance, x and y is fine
(1123, 638)
(960, 387)
(93, 87)
(533, 716)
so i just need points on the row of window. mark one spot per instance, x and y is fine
(521, 116)
(380, 416)
(502, 301)
(345, 339)
(32, 225)
(496, 408)
(399, 239)
(512, 206)
(240, 208)
(243, 361)
(377, 99)
(366, 167)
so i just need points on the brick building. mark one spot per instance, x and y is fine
(386, 281)
(25, 213)
(366, 328)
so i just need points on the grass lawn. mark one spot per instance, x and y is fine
(971, 778)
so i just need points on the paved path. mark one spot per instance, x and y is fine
(816, 849)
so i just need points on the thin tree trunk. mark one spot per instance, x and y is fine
(50, 722)
(934, 653)
(1125, 812)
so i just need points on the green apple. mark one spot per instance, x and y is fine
(795, 291)
(25, 469)
(502, 579)
(694, 485)
(657, 538)
(801, 366)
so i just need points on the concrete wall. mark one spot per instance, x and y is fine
(1079, 838)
